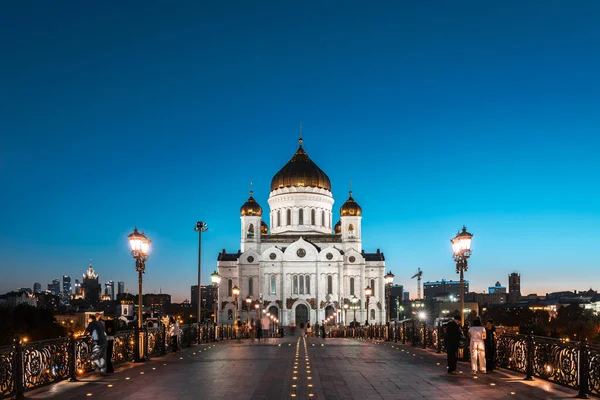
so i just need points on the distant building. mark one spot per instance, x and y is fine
(67, 289)
(13, 299)
(514, 288)
(194, 295)
(157, 302)
(91, 287)
(25, 289)
(54, 287)
(486, 299)
(406, 296)
(47, 300)
(78, 290)
(121, 287)
(110, 289)
(497, 288)
(37, 287)
(208, 294)
(396, 298)
(443, 289)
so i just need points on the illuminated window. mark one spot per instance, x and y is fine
(273, 284)
(295, 284)
(330, 284)
(300, 217)
(351, 286)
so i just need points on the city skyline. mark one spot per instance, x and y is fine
(440, 118)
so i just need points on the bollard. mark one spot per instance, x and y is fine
(530, 351)
(584, 369)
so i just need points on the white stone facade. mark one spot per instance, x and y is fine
(300, 269)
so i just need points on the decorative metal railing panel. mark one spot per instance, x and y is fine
(7, 381)
(511, 352)
(45, 362)
(124, 347)
(555, 360)
(593, 364)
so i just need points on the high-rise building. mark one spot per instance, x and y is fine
(78, 290)
(443, 289)
(121, 287)
(157, 302)
(110, 289)
(91, 288)
(67, 289)
(37, 287)
(497, 289)
(514, 287)
(54, 287)
(194, 295)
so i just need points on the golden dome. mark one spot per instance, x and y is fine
(337, 229)
(251, 208)
(300, 171)
(350, 208)
(264, 229)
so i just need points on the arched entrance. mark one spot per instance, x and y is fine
(329, 311)
(301, 314)
(274, 311)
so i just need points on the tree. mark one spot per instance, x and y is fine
(34, 323)
(573, 320)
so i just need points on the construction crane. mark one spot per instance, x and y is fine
(418, 276)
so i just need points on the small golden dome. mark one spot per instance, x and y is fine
(350, 208)
(300, 171)
(337, 229)
(251, 208)
(264, 229)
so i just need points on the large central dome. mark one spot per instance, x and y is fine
(300, 171)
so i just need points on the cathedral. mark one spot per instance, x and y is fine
(301, 267)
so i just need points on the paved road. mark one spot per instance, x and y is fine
(293, 368)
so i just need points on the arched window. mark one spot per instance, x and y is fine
(301, 279)
(373, 287)
(312, 217)
(351, 286)
(330, 284)
(125, 311)
(273, 288)
(250, 286)
(351, 230)
(301, 217)
(372, 314)
(230, 288)
(307, 284)
(295, 284)
(289, 217)
(230, 314)
(323, 218)
(250, 232)
(278, 217)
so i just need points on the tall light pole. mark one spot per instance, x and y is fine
(389, 281)
(200, 227)
(368, 293)
(236, 293)
(140, 249)
(216, 279)
(346, 314)
(354, 302)
(461, 247)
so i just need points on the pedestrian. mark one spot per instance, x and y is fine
(109, 327)
(308, 331)
(490, 346)
(174, 334)
(477, 336)
(99, 344)
(239, 329)
(323, 329)
(301, 328)
(453, 335)
(317, 330)
(259, 331)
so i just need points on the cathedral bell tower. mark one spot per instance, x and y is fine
(350, 221)
(251, 224)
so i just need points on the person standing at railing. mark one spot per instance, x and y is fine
(96, 330)
(174, 333)
(453, 335)
(477, 335)
(490, 345)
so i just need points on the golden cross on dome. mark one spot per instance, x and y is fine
(300, 140)
(251, 187)
(350, 188)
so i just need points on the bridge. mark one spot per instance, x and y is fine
(352, 364)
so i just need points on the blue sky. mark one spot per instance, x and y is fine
(441, 113)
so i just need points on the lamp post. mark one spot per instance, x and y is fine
(461, 248)
(236, 292)
(216, 280)
(248, 302)
(368, 293)
(354, 302)
(389, 281)
(346, 306)
(140, 249)
(200, 227)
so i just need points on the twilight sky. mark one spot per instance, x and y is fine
(158, 114)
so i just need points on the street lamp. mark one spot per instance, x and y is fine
(461, 247)
(346, 306)
(216, 280)
(140, 249)
(248, 302)
(389, 281)
(368, 293)
(200, 227)
(354, 302)
(236, 292)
